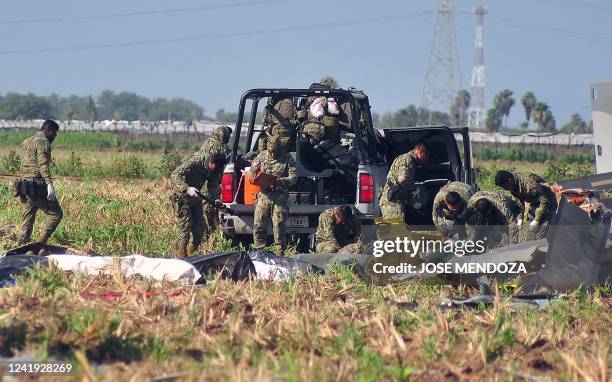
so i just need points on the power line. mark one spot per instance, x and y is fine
(138, 13)
(582, 5)
(215, 36)
(545, 29)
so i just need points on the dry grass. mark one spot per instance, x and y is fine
(332, 327)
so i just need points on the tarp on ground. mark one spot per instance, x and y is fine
(12, 266)
(232, 265)
(278, 268)
(134, 265)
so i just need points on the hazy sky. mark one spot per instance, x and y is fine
(217, 49)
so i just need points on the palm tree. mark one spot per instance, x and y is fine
(458, 111)
(503, 102)
(543, 117)
(529, 101)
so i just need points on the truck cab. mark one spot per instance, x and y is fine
(319, 189)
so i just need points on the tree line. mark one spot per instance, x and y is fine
(538, 115)
(108, 105)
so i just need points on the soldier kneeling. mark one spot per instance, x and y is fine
(338, 231)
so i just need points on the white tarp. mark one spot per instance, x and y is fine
(153, 267)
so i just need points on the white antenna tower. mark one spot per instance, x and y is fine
(476, 112)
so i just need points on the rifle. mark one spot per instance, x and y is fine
(222, 207)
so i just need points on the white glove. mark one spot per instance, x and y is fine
(192, 191)
(51, 192)
(533, 223)
(519, 222)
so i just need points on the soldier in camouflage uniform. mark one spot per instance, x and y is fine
(395, 193)
(272, 203)
(187, 180)
(491, 216)
(538, 200)
(448, 205)
(279, 118)
(216, 143)
(36, 187)
(338, 231)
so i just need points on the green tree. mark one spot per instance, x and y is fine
(503, 102)
(529, 101)
(575, 125)
(90, 110)
(26, 106)
(493, 120)
(542, 116)
(458, 111)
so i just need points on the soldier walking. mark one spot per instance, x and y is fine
(396, 192)
(272, 200)
(338, 231)
(35, 187)
(187, 181)
(448, 205)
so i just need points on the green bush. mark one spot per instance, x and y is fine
(168, 163)
(530, 154)
(130, 167)
(72, 167)
(11, 162)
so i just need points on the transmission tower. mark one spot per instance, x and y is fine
(476, 112)
(443, 78)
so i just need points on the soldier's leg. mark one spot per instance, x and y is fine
(351, 248)
(197, 224)
(260, 223)
(327, 247)
(280, 214)
(183, 218)
(388, 207)
(211, 216)
(55, 213)
(27, 221)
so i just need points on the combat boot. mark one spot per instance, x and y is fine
(42, 239)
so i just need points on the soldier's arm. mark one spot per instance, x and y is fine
(179, 175)
(436, 213)
(213, 185)
(291, 177)
(43, 159)
(546, 203)
(356, 230)
(406, 178)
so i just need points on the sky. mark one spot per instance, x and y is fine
(212, 51)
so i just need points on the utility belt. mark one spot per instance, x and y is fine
(35, 188)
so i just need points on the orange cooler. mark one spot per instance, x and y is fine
(250, 190)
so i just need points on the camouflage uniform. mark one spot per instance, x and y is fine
(400, 182)
(332, 237)
(35, 171)
(500, 228)
(540, 198)
(193, 172)
(441, 213)
(273, 202)
(279, 117)
(212, 188)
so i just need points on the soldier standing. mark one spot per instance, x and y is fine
(272, 201)
(401, 182)
(216, 143)
(338, 231)
(448, 205)
(492, 217)
(36, 188)
(187, 180)
(538, 200)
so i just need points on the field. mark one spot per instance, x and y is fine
(331, 327)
